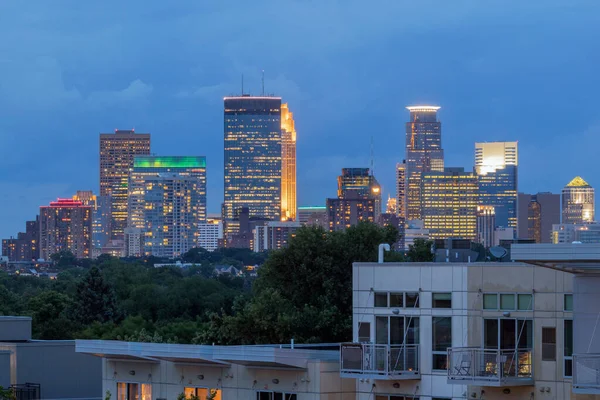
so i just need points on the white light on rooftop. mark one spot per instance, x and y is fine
(423, 108)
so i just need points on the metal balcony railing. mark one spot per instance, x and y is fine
(380, 360)
(586, 373)
(468, 365)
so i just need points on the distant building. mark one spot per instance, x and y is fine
(502, 234)
(449, 204)
(253, 165)
(569, 233)
(117, 151)
(496, 166)
(414, 230)
(401, 190)
(313, 215)
(578, 202)
(66, 224)
(537, 213)
(134, 242)
(486, 225)
(25, 247)
(424, 153)
(359, 199)
(274, 235)
(209, 233)
(101, 215)
(454, 251)
(288, 165)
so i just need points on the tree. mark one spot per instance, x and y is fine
(49, 313)
(420, 251)
(303, 291)
(7, 394)
(95, 300)
(64, 259)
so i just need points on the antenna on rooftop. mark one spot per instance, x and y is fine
(242, 84)
(372, 158)
(263, 82)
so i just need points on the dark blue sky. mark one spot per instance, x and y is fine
(501, 70)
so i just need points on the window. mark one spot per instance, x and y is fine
(548, 344)
(441, 340)
(568, 346)
(364, 332)
(568, 302)
(394, 397)
(507, 302)
(201, 393)
(263, 395)
(441, 300)
(490, 301)
(396, 299)
(134, 391)
(524, 302)
(381, 299)
(412, 300)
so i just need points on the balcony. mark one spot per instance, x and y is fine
(586, 373)
(379, 361)
(499, 368)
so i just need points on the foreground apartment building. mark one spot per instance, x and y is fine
(434, 331)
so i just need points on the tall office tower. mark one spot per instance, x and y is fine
(252, 135)
(537, 213)
(100, 216)
(423, 153)
(401, 190)
(496, 167)
(288, 165)
(313, 215)
(391, 206)
(25, 247)
(66, 224)
(117, 151)
(486, 225)
(359, 199)
(577, 202)
(167, 201)
(449, 205)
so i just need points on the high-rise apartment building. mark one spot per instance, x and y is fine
(252, 137)
(167, 202)
(66, 224)
(449, 204)
(359, 199)
(288, 165)
(401, 190)
(100, 216)
(274, 235)
(424, 153)
(537, 213)
(25, 247)
(313, 215)
(496, 166)
(209, 234)
(578, 202)
(486, 225)
(117, 151)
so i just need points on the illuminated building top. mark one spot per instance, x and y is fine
(578, 182)
(66, 203)
(169, 162)
(423, 108)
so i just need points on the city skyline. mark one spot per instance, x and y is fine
(485, 84)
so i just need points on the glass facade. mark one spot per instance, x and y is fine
(424, 153)
(288, 165)
(496, 166)
(578, 205)
(252, 136)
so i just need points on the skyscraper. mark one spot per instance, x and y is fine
(117, 151)
(486, 225)
(496, 167)
(167, 202)
(578, 203)
(359, 199)
(288, 165)
(424, 153)
(100, 216)
(252, 137)
(449, 206)
(66, 224)
(537, 213)
(401, 190)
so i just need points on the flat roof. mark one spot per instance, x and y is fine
(423, 108)
(571, 257)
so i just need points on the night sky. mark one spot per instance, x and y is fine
(500, 70)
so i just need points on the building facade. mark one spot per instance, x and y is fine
(449, 204)
(313, 215)
(274, 235)
(496, 165)
(578, 202)
(25, 247)
(486, 225)
(537, 213)
(101, 216)
(424, 153)
(253, 165)
(209, 234)
(401, 190)
(66, 224)
(569, 233)
(117, 151)
(456, 331)
(288, 165)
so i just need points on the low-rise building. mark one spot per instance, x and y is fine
(569, 233)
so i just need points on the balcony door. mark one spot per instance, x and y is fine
(397, 330)
(512, 341)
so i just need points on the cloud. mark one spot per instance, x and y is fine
(135, 92)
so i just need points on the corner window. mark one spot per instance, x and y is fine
(441, 300)
(568, 302)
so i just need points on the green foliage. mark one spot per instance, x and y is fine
(420, 251)
(64, 259)
(107, 395)
(7, 394)
(95, 300)
(48, 310)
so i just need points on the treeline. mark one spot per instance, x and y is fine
(302, 292)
